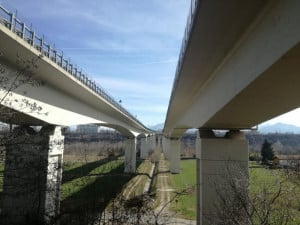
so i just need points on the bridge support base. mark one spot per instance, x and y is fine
(174, 155)
(130, 155)
(222, 176)
(32, 176)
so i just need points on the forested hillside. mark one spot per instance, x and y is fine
(282, 143)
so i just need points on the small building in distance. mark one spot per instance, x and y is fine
(87, 129)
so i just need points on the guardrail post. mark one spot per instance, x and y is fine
(12, 21)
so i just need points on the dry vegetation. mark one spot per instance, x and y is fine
(89, 152)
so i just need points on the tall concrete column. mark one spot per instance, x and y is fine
(150, 143)
(144, 154)
(147, 145)
(159, 141)
(165, 146)
(221, 162)
(154, 145)
(32, 176)
(174, 155)
(130, 155)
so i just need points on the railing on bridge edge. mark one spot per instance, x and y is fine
(18, 27)
(185, 40)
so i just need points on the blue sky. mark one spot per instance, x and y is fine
(130, 47)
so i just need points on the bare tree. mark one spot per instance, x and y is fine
(270, 205)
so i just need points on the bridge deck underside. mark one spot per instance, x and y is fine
(273, 93)
(240, 68)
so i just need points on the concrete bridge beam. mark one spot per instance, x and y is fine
(130, 155)
(219, 161)
(32, 176)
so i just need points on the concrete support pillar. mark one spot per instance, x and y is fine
(159, 141)
(32, 176)
(151, 143)
(221, 164)
(174, 155)
(147, 145)
(144, 153)
(130, 155)
(154, 145)
(166, 147)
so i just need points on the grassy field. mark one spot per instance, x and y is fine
(185, 205)
(267, 182)
(77, 176)
(262, 180)
(87, 188)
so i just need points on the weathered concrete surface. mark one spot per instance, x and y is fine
(144, 152)
(32, 176)
(219, 160)
(130, 155)
(175, 155)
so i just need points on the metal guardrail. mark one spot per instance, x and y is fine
(18, 27)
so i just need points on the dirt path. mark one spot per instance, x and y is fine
(165, 190)
(131, 188)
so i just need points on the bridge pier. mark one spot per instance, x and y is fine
(32, 176)
(166, 147)
(144, 152)
(221, 162)
(159, 141)
(150, 143)
(130, 155)
(174, 155)
(154, 142)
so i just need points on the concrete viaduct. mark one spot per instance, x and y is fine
(39, 87)
(238, 66)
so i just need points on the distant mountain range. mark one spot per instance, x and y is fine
(268, 128)
(279, 128)
(157, 127)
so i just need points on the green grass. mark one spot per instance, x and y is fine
(77, 175)
(268, 181)
(261, 179)
(88, 188)
(185, 205)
